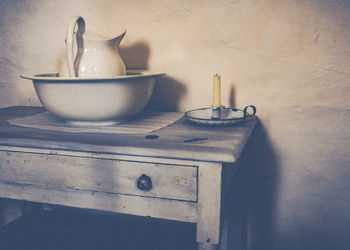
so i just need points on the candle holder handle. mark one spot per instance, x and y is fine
(246, 114)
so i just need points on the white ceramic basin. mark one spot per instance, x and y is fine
(94, 101)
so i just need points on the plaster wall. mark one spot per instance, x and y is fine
(290, 58)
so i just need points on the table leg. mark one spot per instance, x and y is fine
(209, 205)
(234, 212)
(234, 230)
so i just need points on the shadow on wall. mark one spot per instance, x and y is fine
(136, 55)
(167, 94)
(232, 97)
(256, 190)
(168, 91)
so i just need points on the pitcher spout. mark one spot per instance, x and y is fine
(116, 41)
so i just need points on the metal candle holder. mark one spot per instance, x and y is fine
(216, 113)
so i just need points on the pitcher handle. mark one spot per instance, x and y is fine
(73, 63)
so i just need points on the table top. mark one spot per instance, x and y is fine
(179, 140)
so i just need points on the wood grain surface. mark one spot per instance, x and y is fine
(181, 140)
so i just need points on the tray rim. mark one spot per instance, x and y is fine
(225, 121)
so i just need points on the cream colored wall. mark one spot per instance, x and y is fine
(290, 58)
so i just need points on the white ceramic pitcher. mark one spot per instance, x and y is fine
(94, 56)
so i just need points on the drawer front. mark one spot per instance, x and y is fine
(100, 175)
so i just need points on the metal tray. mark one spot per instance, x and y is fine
(228, 116)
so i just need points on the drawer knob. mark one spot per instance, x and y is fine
(144, 182)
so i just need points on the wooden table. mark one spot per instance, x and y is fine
(180, 172)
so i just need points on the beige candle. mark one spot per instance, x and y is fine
(217, 91)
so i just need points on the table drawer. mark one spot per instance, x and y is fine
(100, 175)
